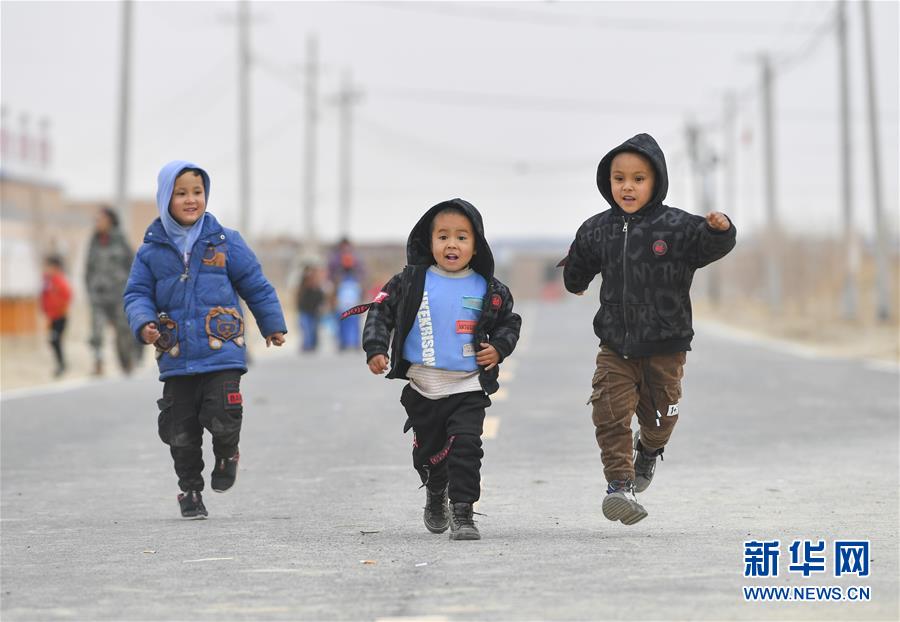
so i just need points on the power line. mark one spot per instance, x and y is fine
(782, 65)
(512, 16)
(216, 86)
(458, 155)
(481, 99)
(469, 155)
(289, 75)
(790, 60)
(512, 101)
(265, 137)
(455, 154)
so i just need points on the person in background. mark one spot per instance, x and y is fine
(348, 293)
(346, 275)
(310, 300)
(108, 265)
(343, 260)
(56, 294)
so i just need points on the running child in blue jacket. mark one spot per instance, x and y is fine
(182, 297)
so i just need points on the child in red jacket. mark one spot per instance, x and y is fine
(55, 297)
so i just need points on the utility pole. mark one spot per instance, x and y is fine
(244, 160)
(703, 163)
(347, 97)
(124, 113)
(692, 142)
(309, 160)
(773, 233)
(882, 302)
(729, 172)
(851, 243)
(729, 158)
(707, 172)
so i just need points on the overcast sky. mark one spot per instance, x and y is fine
(508, 105)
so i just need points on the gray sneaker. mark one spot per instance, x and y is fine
(462, 525)
(644, 465)
(437, 510)
(620, 503)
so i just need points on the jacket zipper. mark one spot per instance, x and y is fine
(186, 274)
(187, 266)
(625, 285)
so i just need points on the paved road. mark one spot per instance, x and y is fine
(770, 445)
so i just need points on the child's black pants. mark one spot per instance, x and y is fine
(188, 405)
(447, 440)
(57, 328)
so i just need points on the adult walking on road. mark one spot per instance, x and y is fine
(108, 265)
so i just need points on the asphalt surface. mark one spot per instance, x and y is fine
(324, 522)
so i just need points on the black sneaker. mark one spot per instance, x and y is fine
(224, 473)
(644, 464)
(437, 510)
(462, 525)
(620, 503)
(191, 504)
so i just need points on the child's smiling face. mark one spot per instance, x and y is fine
(631, 177)
(452, 241)
(188, 199)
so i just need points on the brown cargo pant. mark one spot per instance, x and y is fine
(650, 387)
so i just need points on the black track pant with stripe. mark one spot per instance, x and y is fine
(447, 440)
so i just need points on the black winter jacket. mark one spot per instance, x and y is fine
(394, 309)
(646, 260)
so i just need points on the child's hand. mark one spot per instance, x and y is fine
(487, 357)
(378, 364)
(149, 333)
(718, 221)
(275, 339)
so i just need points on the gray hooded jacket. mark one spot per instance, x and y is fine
(108, 265)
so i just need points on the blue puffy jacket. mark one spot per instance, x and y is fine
(222, 267)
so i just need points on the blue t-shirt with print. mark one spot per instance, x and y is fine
(443, 332)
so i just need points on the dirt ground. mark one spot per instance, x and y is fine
(829, 336)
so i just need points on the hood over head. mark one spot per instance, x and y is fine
(183, 237)
(645, 145)
(418, 246)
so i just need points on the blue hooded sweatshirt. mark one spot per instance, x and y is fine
(199, 295)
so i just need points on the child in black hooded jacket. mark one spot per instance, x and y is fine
(448, 324)
(646, 253)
